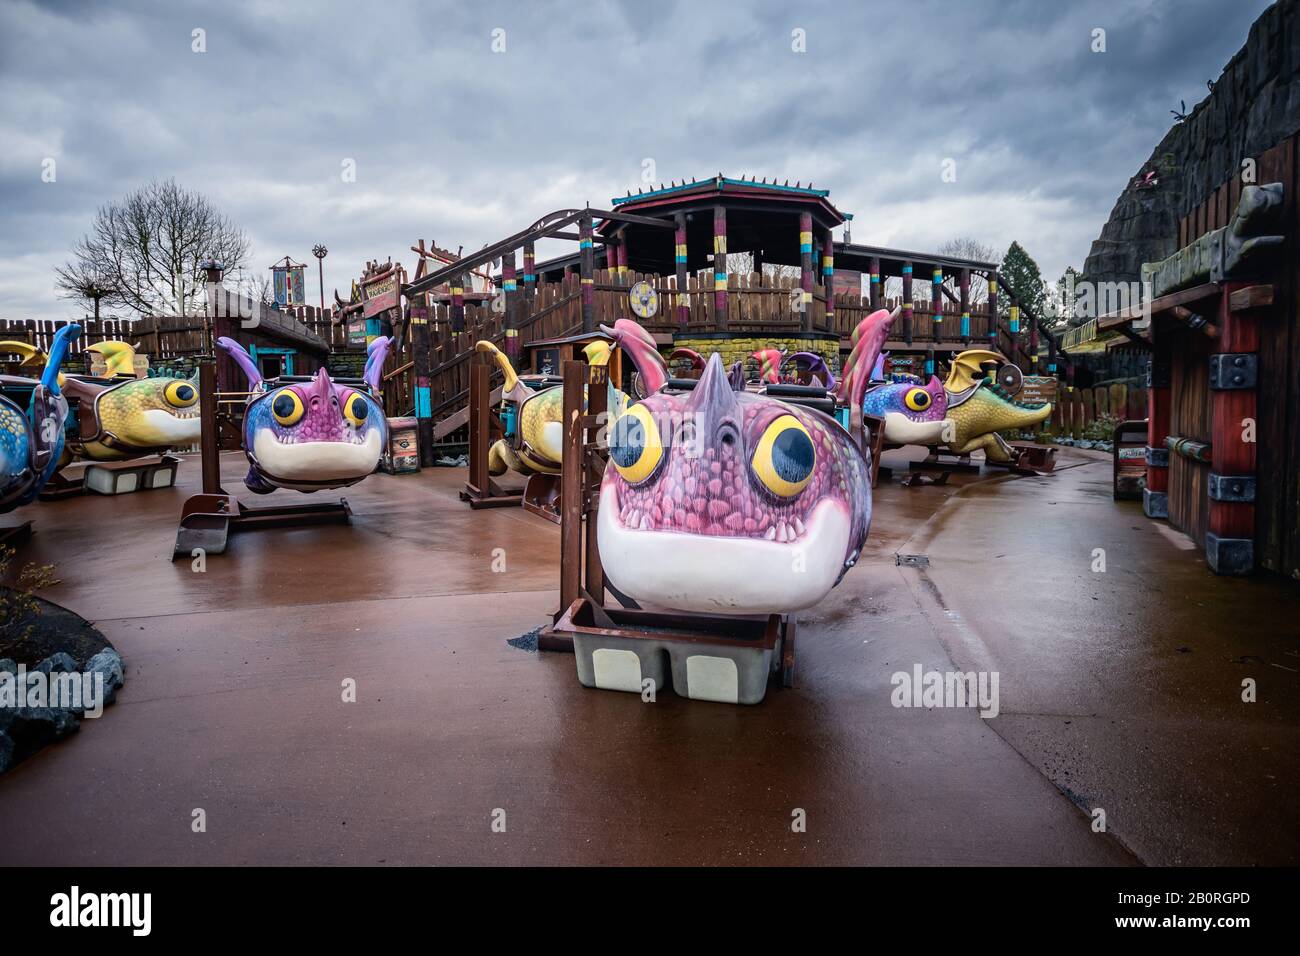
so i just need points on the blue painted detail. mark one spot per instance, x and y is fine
(424, 402)
(965, 326)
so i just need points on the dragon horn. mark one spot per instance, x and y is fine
(30, 353)
(871, 334)
(486, 347)
(376, 353)
(243, 360)
(119, 357)
(638, 344)
(597, 352)
(58, 351)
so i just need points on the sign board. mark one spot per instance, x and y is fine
(1038, 389)
(379, 294)
(846, 282)
(356, 326)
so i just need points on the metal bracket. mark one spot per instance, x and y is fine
(1232, 487)
(1157, 457)
(1233, 370)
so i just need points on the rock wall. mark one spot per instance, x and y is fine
(1254, 105)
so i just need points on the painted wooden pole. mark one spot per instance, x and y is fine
(622, 258)
(458, 303)
(720, 266)
(683, 300)
(1013, 329)
(936, 304)
(1155, 496)
(964, 287)
(421, 358)
(805, 268)
(508, 289)
(1033, 348)
(587, 269)
(530, 273)
(828, 276)
(907, 302)
(993, 311)
(1234, 371)
(874, 283)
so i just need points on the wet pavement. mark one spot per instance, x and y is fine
(233, 700)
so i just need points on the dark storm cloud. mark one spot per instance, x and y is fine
(456, 143)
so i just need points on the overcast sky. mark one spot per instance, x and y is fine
(457, 143)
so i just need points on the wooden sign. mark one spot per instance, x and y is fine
(846, 282)
(379, 294)
(1038, 389)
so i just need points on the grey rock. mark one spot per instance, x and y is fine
(109, 663)
(57, 663)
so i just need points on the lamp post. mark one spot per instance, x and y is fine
(319, 251)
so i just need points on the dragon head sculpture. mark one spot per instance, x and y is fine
(313, 434)
(724, 501)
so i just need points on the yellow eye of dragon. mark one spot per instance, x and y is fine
(785, 458)
(180, 394)
(917, 399)
(634, 445)
(287, 407)
(355, 409)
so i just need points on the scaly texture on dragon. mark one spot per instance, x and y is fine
(965, 413)
(719, 500)
(313, 435)
(32, 418)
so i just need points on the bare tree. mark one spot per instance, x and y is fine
(967, 248)
(147, 249)
(83, 281)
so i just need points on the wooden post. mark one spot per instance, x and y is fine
(575, 377)
(806, 268)
(587, 260)
(1013, 328)
(1234, 369)
(936, 304)
(683, 302)
(993, 310)
(964, 287)
(423, 399)
(508, 286)
(907, 302)
(1155, 496)
(597, 407)
(480, 401)
(720, 266)
(828, 276)
(209, 446)
(458, 303)
(622, 258)
(875, 283)
(530, 273)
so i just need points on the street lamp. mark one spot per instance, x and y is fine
(319, 251)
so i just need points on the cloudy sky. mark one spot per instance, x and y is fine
(455, 142)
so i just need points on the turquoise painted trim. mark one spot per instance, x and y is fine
(706, 183)
(423, 402)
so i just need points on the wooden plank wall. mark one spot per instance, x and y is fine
(1277, 509)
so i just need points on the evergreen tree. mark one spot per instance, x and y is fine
(1020, 277)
